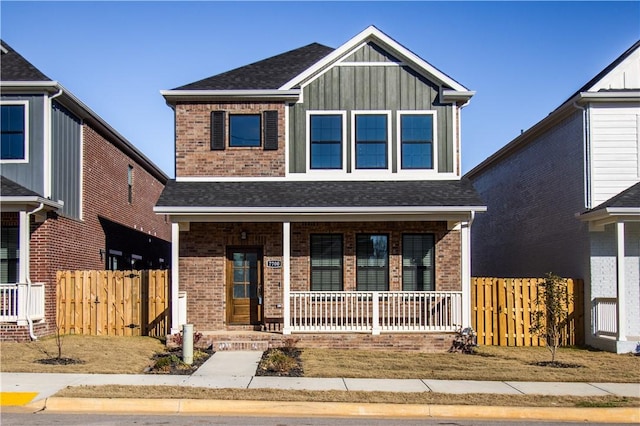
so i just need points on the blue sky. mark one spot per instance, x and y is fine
(522, 58)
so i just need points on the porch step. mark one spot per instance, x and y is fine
(228, 345)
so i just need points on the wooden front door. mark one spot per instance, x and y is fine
(244, 286)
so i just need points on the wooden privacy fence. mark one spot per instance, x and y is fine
(114, 303)
(502, 307)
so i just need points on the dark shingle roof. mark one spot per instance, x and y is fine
(327, 194)
(13, 67)
(270, 73)
(627, 198)
(9, 188)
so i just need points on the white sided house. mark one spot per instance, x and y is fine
(564, 197)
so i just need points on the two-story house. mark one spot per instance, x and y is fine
(74, 194)
(318, 191)
(564, 197)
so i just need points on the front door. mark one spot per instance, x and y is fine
(244, 286)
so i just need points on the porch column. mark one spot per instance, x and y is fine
(286, 277)
(465, 273)
(621, 305)
(175, 276)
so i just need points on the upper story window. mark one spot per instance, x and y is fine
(416, 141)
(244, 130)
(14, 131)
(130, 184)
(326, 141)
(371, 141)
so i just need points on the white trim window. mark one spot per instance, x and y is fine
(371, 140)
(14, 131)
(417, 146)
(326, 140)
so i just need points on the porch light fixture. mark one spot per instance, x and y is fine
(243, 235)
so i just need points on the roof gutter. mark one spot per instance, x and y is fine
(31, 199)
(318, 210)
(173, 96)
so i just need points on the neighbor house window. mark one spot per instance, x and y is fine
(9, 255)
(417, 262)
(371, 141)
(372, 262)
(13, 132)
(130, 184)
(326, 141)
(416, 141)
(244, 130)
(326, 262)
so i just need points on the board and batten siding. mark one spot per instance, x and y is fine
(615, 149)
(66, 159)
(364, 87)
(31, 174)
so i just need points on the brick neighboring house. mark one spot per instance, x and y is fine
(318, 192)
(564, 197)
(75, 194)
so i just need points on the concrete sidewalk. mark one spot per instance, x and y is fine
(237, 370)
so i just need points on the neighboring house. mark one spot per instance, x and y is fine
(75, 194)
(563, 197)
(318, 191)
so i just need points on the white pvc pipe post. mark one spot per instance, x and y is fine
(187, 344)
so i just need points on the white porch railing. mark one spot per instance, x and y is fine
(16, 304)
(375, 312)
(605, 319)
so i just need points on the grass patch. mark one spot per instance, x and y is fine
(489, 363)
(174, 392)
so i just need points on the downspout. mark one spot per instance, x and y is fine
(586, 150)
(28, 274)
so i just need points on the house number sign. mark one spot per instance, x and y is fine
(274, 264)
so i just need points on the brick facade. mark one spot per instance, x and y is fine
(62, 243)
(194, 156)
(203, 251)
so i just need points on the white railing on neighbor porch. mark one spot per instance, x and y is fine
(375, 311)
(605, 319)
(17, 303)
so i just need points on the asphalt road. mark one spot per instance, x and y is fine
(43, 418)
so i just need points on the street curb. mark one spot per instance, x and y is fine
(332, 409)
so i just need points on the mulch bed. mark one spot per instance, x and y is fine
(555, 364)
(170, 362)
(292, 368)
(60, 361)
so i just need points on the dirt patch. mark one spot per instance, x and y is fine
(60, 361)
(555, 364)
(282, 362)
(170, 362)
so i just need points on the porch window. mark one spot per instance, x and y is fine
(371, 141)
(9, 255)
(326, 262)
(13, 132)
(326, 141)
(372, 262)
(416, 134)
(244, 130)
(417, 262)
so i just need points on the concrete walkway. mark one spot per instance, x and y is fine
(236, 370)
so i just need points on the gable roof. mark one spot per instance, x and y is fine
(270, 73)
(9, 188)
(583, 96)
(16, 68)
(628, 198)
(18, 76)
(625, 206)
(281, 76)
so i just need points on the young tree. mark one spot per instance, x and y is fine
(550, 311)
